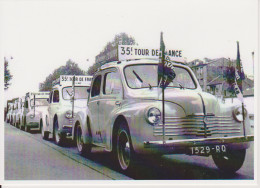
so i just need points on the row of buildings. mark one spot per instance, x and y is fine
(211, 76)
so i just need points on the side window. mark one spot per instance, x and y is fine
(56, 96)
(26, 102)
(50, 99)
(112, 83)
(95, 91)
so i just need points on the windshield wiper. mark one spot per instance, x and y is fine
(70, 94)
(181, 86)
(140, 79)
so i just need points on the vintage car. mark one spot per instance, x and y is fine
(65, 99)
(14, 111)
(35, 104)
(19, 113)
(9, 110)
(124, 116)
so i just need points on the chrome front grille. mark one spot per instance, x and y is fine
(198, 126)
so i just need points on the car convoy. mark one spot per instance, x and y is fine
(120, 110)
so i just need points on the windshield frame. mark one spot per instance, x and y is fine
(75, 87)
(156, 64)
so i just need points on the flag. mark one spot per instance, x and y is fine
(166, 72)
(239, 76)
(239, 70)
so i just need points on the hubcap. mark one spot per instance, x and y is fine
(42, 130)
(57, 136)
(123, 149)
(79, 139)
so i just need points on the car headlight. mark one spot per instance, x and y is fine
(68, 114)
(153, 116)
(238, 114)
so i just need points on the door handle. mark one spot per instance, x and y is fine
(118, 103)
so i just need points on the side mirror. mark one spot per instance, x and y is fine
(88, 90)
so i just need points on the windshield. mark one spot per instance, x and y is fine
(145, 76)
(80, 92)
(40, 102)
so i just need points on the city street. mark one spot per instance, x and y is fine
(29, 157)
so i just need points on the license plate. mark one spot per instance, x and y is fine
(205, 150)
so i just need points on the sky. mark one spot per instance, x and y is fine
(41, 36)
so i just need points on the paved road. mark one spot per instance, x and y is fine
(46, 161)
(27, 157)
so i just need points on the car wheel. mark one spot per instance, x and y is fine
(27, 129)
(124, 150)
(231, 161)
(19, 123)
(83, 149)
(24, 123)
(45, 135)
(57, 137)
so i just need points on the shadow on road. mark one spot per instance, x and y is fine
(161, 168)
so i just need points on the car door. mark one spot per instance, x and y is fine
(110, 102)
(53, 107)
(93, 106)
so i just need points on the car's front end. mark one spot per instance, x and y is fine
(195, 122)
(68, 107)
(34, 116)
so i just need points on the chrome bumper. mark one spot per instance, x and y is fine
(180, 146)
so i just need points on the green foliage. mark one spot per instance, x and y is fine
(119, 39)
(229, 76)
(8, 75)
(71, 68)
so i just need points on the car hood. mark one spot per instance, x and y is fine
(192, 101)
(81, 103)
(40, 109)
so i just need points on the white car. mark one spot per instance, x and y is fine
(35, 104)
(19, 113)
(14, 111)
(9, 110)
(62, 106)
(124, 116)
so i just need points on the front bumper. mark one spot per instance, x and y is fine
(182, 146)
(33, 124)
(66, 130)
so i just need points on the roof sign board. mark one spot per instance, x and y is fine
(66, 80)
(43, 94)
(130, 52)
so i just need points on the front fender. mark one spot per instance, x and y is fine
(80, 118)
(135, 115)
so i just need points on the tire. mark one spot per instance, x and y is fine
(45, 135)
(83, 148)
(19, 124)
(27, 129)
(58, 139)
(125, 156)
(231, 161)
(24, 123)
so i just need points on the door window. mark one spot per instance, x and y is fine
(50, 99)
(95, 91)
(56, 98)
(112, 83)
